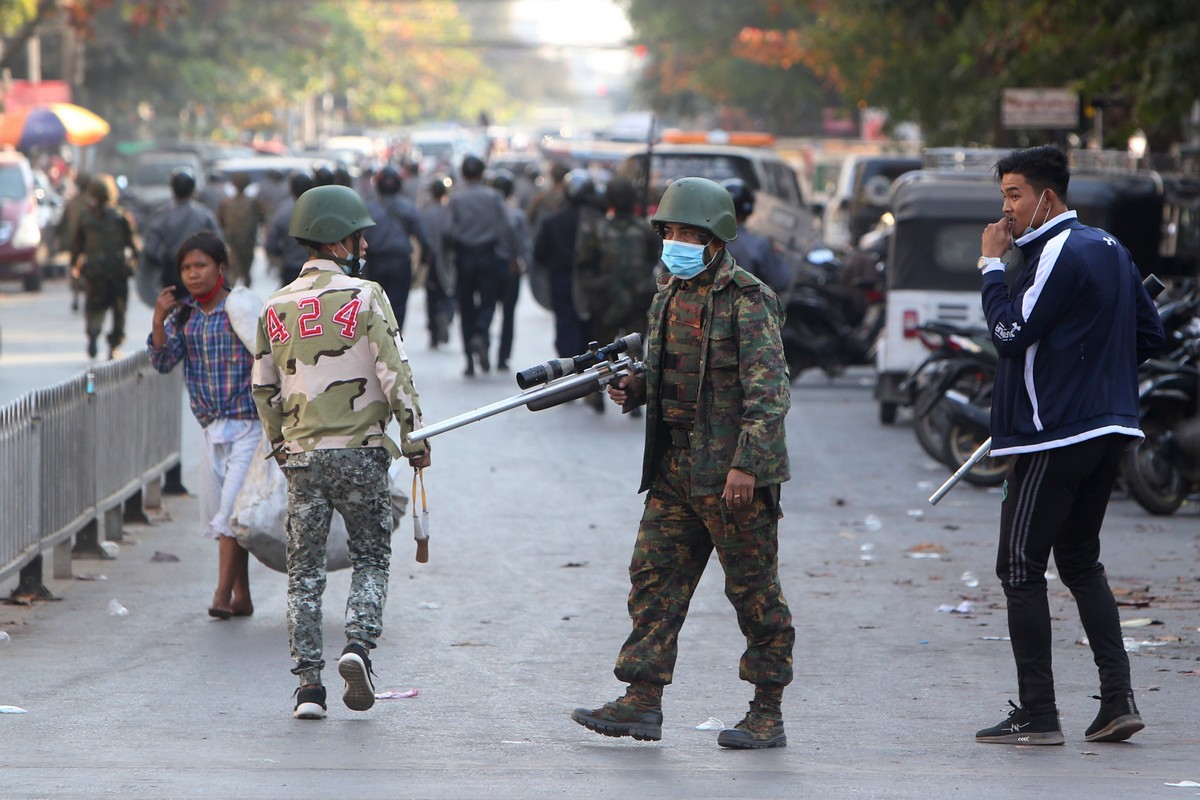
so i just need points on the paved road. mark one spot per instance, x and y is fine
(519, 614)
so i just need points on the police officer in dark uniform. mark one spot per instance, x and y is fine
(480, 235)
(754, 252)
(389, 257)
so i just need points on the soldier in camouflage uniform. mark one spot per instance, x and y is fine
(614, 268)
(240, 217)
(330, 372)
(716, 390)
(101, 248)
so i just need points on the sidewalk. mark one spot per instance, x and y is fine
(518, 616)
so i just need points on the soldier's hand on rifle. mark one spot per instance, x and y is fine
(627, 389)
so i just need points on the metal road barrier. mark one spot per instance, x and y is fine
(79, 458)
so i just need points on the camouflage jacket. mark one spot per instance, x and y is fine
(102, 235)
(614, 267)
(330, 368)
(744, 393)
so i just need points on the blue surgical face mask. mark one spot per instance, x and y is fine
(684, 260)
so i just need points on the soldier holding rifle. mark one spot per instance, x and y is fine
(1070, 335)
(717, 392)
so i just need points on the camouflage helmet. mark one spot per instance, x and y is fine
(327, 214)
(700, 203)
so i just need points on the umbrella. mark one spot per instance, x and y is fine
(50, 125)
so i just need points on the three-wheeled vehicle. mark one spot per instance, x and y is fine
(939, 214)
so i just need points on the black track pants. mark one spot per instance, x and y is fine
(1054, 500)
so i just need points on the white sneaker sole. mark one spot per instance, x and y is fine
(359, 694)
(309, 711)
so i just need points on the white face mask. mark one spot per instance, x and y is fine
(1031, 229)
(346, 261)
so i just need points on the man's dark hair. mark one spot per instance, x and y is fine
(472, 168)
(1045, 167)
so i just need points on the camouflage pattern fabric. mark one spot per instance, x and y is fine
(240, 218)
(678, 533)
(614, 267)
(355, 483)
(330, 367)
(101, 237)
(744, 393)
(684, 342)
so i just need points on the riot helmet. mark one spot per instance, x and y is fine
(183, 183)
(700, 203)
(300, 183)
(621, 194)
(578, 187)
(388, 181)
(503, 182)
(743, 196)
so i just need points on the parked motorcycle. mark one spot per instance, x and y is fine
(951, 393)
(1164, 469)
(832, 323)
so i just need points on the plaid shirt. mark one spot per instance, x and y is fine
(216, 365)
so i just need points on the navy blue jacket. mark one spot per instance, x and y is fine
(1070, 337)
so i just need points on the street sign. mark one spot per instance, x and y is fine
(1039, 108)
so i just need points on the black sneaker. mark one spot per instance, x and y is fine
(1117, 721)
(479, 349)
(310, 702)
(621, 719)
(1021, 727)
(355, 668)
(754, 732)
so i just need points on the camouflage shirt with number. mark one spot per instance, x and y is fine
(744, 392)
(330, 368)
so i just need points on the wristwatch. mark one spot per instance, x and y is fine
(986, 261)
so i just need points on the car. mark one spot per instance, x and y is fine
(256, 168)
(782, 212)
(861, 196)
(20, 230)
(147, 186)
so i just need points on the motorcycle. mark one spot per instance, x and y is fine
(1164, 468)
(951, 393)
(831, 323)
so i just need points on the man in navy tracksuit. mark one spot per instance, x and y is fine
(1070, 334)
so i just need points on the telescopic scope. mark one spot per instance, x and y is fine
(558, 367)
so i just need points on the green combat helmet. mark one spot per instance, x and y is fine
(327, 214)
(700, 203)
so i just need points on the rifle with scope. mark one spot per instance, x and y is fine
(554, 382)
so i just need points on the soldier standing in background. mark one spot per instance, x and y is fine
(101, 253)
(717, 393)
(614, 268)
(70, 223)
(554, 251)
(754, 252)
(329, 374)
(240, 217)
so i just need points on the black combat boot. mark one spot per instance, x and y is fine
(638, 714)
(763, 724)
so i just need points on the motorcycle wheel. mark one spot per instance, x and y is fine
(931, 428)
(1151, 478)
(961, 443)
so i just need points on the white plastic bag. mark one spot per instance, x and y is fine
(260, 514)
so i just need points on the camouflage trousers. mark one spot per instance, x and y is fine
(105, 294)
(354, 482)
(677, 535)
